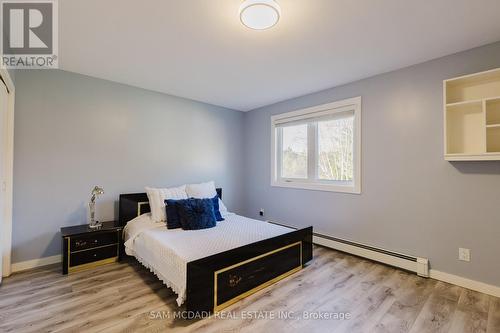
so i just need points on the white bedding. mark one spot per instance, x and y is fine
(166, 252)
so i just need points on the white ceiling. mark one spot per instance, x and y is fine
(198, 49)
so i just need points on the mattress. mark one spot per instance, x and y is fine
(166, 252)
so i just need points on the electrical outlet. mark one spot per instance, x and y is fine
(464, 254)
(261, 212)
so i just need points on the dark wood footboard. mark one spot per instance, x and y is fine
(220, 280)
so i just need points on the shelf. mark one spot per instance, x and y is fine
(465, 128)
(475, 101)
(469, 157)
(473, 87)
(495, 99)
(493, 140)
(472, 117)
(493, 111)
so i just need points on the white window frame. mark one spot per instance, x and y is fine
(312, 183)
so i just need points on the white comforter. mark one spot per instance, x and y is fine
(166, 252)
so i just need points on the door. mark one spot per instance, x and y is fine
(3, 144)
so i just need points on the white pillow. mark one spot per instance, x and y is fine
(222, 208)
(201, 191)
(157, 197)
(205, 190)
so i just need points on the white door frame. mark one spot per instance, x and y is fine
(6, 228)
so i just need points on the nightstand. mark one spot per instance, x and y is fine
(85, 248)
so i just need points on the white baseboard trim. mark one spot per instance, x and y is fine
(34, 263)
(409, 263)
(466, 283)
(410, 266)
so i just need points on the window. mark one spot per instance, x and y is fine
(294, 151)
(318, 148)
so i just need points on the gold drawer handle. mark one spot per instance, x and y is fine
(234, 280)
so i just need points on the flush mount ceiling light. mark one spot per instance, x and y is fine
(259, 14)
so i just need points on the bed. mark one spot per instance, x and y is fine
(235, 259)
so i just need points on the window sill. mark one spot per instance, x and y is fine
(319, 187)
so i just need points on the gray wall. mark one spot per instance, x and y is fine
(73, 132)
(413, 201)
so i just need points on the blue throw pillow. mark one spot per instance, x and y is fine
(218, 215)
(173, 218)
(196, 213)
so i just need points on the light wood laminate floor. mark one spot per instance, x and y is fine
(125, 297)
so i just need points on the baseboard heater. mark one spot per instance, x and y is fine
(400, 260)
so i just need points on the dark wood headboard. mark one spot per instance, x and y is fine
(135, 204)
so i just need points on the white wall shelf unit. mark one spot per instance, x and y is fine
(472, 117)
